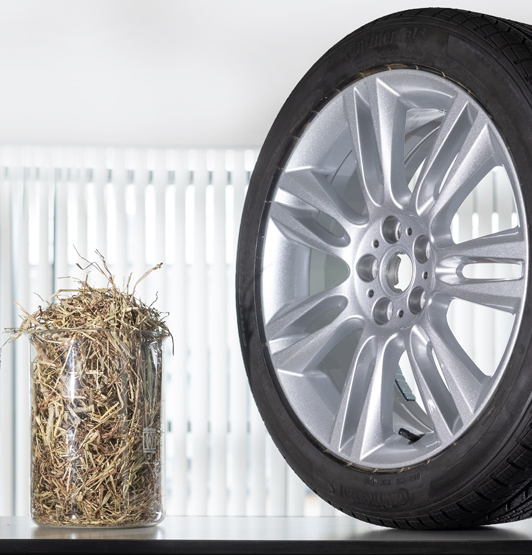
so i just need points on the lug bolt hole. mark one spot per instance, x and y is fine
(376, 244)
(417, 300)
(401, 314)
(391, 229)
(371, 293)
(383, 311)
(409, 231)
(367, 268)
(422, 249)
(425, 275)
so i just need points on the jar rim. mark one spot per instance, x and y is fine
(96, 330)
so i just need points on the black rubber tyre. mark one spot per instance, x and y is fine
(485, 477)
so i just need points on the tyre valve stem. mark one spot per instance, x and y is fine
(412, 438)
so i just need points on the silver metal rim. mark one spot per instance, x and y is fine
(360, 268)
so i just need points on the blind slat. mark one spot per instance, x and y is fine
(198, 367)
(278, 472)
(218, 343)
(21, 292)
(138, 233)
(119, 184)
(238, 388)
(177, 397)
(7, 469)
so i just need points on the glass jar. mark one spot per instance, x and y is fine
(97, 428)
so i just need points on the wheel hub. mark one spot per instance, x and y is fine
(394, 269)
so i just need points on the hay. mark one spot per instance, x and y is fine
(96, 407)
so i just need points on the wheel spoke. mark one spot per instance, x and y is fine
(314, 189)
(500, 294)
(354, 391)
(375, 425)
(304, 353)
(297, 310)
(388, 112)
(505, 247)
(418, 152)
(299, 226)
(463, 377)
(449, 139)
(365, 150)
(436, 397)
(475, 159)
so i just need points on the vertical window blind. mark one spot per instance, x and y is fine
(139, 208)
(180, 207)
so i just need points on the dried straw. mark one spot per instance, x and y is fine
(96, 406)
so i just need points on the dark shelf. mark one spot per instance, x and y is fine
(277, 535)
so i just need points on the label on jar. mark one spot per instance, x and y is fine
(149, 440)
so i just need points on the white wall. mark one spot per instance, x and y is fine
(170, 72)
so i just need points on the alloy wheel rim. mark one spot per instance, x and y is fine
(360, 268)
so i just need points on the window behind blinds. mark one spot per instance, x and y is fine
(182, 208)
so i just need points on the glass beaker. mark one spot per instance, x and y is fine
(97, 427)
